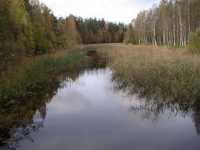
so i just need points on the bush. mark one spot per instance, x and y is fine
(194, 43)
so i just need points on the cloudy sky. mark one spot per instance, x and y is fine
(110, 10)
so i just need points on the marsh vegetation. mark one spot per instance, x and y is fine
(105, 88)
(25, 89)
(64, 81)
(148, 83)
(156, 72)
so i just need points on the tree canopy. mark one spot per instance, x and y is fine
(29, 27)
(170, 23)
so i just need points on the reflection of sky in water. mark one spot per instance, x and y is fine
(88, 91)
(88, 114)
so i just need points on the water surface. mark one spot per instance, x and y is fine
(89, 113)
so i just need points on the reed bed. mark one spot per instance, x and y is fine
(172, 74)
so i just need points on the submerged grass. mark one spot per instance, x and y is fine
(36, 75)
(156, 72)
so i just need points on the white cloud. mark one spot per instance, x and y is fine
(111, 10)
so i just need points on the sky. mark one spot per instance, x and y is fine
(111, 10)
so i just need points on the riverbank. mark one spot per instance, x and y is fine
(31, 84)
(171, 74)
(36, 73)
(149, 71)
(166, 76)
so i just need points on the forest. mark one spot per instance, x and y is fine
(28, 27)
(172, 23)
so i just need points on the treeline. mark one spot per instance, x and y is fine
(170, 23)
(29, 27)
(99, 31)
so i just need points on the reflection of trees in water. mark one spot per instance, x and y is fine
(151, 106)
(22, 117)
(43, 112)
(196, 116)
(153, 111)
(19, 117)
(23, 132)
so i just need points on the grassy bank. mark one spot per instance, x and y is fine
(155, 72)
(27, 88)
(25, 80)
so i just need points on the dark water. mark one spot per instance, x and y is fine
(89, 113)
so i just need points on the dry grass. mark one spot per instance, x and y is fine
(172, 74)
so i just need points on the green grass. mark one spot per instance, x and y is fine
(36, 75)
